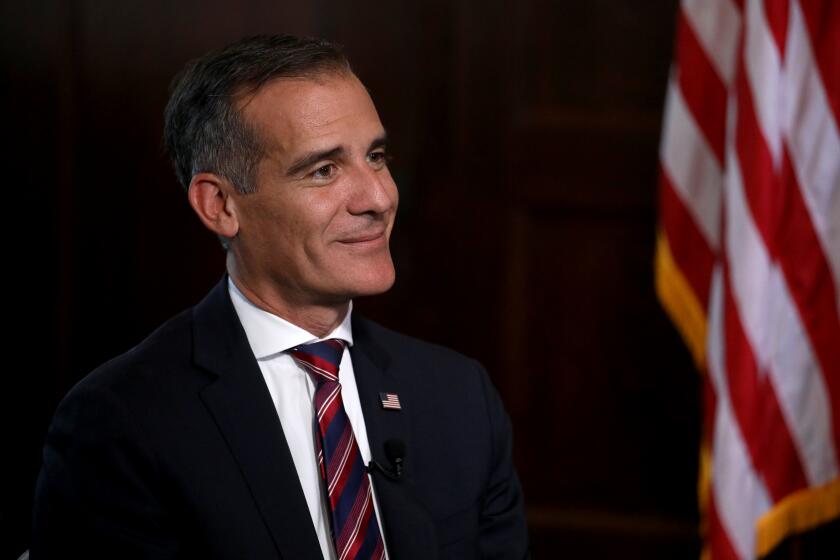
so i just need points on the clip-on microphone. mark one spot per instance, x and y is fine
(395, 452)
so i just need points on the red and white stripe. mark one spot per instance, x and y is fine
(326, 411)
(341, 464)
(750, 208)
(352, 536)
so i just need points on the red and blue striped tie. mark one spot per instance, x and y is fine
(355, 530)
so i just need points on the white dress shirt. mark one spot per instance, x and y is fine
(292, 391)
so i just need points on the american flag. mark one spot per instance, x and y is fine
(390, 401)
(748, 259)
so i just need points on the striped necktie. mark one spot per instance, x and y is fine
(355, 530)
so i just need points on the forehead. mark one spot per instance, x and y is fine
(293, 115)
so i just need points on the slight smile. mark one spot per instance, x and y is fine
(366, 240)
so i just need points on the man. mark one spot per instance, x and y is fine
(268, 420)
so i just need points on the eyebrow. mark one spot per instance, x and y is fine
(379, 142)
(314, 157)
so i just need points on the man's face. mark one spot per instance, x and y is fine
(316, 230)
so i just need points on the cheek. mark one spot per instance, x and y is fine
(277, 233)
(323, 215)
(308, 238)
(393, 191)
(289, 222)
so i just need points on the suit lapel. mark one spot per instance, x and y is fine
(371, 366)
(409, 528)
(241, 405)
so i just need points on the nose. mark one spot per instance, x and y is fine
(374, 192)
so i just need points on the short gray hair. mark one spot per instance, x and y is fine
(204, 131)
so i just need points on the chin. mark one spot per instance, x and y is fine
(374, 283)
(376, 288)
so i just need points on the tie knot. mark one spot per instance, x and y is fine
(320, 359)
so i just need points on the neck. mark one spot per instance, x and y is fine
(318, 319)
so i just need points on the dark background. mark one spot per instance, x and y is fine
(525, 136)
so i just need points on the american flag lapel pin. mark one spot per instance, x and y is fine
(390, 401)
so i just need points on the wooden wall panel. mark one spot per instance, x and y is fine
(603, 397)
(603, 420)
(33, 83)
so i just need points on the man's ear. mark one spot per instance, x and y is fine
(210, 195)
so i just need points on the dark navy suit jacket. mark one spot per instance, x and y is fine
(174, 450)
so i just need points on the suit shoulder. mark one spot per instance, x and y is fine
(409, 348)
(441, 375)
(168, 345)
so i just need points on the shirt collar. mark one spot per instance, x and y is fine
(270, 335)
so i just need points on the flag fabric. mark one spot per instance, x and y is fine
(748, 259)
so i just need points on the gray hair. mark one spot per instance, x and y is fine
(204, 131)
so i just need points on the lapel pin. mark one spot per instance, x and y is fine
(390, 401)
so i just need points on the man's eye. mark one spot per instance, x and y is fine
(324, 172)
(378, 158)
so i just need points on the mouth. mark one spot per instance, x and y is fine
(370, 239)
